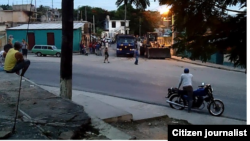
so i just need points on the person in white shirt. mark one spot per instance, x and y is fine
(186, 82)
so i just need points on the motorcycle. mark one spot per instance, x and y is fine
(178, 99)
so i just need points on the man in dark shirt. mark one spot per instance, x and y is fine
(106, 53)
(136, 56)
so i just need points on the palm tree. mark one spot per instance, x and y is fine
(140, 4)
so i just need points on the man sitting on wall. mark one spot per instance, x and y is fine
(14, 61)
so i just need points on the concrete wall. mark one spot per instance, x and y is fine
(19, 16)
(13, 16)
(24, 7)
(6, 16)
(2, 28)
(2, 42)
(41, 37)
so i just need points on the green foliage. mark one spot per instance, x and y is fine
(41, 10)
(99, 13)
(140, 4)
(209, 28)
(149, 19)
(6, 7)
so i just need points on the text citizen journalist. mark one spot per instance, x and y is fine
(185, 132)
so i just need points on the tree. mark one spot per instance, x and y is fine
(210, 29)
(41, 10)
(99, 13)
(149, 19)
(67, 49)
(6, 7)
(141, 4)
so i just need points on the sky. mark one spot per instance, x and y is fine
(105, 4)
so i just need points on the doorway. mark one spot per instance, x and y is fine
(50, 39)
(31, 40)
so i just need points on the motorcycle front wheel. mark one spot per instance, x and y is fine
(178, 100)
(216, 107)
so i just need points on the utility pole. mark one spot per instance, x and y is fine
(172, 51)
(140, 26)
(47, 15)
(52, 4)
(67, 49)
(125, 18)
(77, 17)
(85, 13)
(94, 24)
(36, 10)
(81, 15)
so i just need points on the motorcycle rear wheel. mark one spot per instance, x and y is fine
(177, 99)
(216, 107)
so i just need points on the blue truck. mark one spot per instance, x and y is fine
(125, 45)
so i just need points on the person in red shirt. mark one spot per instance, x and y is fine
(90, 47)
(93, 48)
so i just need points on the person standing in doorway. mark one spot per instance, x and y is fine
(106, 55)
(136, 56)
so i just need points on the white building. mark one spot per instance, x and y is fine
(113, 27)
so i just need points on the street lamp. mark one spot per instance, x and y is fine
(164, 12)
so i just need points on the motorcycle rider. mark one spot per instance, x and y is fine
(186, 82)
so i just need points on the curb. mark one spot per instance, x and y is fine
(222, 68)
(105, 128)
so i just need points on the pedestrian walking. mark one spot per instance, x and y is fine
(98, 49)
(136, 56)
(81, 47)
(107, 44)
(106, 55)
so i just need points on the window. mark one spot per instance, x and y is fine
(50, 48)
(44, 47)
(113, 25)
(122, 23)
(126, 40)
(54, 47)
(37, 47)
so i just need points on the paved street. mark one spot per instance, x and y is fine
(147, 82)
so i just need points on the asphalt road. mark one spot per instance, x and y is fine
(147, 82)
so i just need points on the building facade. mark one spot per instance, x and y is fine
(113, 27)
(19, 15)
(44, 34)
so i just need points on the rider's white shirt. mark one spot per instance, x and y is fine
(186, 79)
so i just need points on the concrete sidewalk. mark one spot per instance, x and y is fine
(207, 64)
(141, 111)
(43, 115)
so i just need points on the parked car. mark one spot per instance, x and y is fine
(108, 40)
(44, 50)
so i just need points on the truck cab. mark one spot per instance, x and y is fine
(125, 45)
